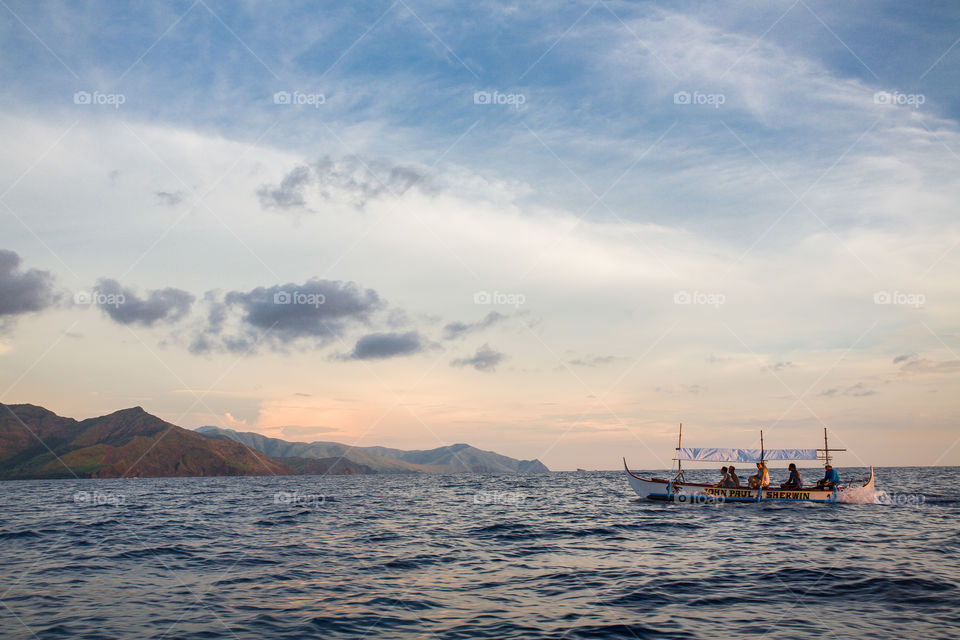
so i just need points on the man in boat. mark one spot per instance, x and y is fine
(794, 482)
(723, 477)
(731, 480)
(831, 479)
(762, 477)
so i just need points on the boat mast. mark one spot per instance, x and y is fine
(826, 449)
(679, 463)
(761, 446)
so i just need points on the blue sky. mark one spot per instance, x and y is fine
(792, 158)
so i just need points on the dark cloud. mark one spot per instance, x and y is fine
(168, 198)
(856, 391)
(23, 291)
(351, 180)
(318, 310)
(377, 346)
(454, 330)
(289, 193)
(124, 306)
(904, 358)
(485, 359)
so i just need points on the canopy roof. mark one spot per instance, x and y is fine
(708, 454)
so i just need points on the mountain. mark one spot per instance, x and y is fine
(457, 458)
(37, 443)
(127, 443)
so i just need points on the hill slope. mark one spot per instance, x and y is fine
(37, 443)
(457, 458)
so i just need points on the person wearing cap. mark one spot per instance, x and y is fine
(830, 478)
(762, 477)
(794, 482)
(731, 480)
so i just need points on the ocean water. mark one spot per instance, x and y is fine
(559, 555)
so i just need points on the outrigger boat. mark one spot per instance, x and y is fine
(678, 490)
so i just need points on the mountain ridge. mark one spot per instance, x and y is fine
(37, 443)
(455, 458)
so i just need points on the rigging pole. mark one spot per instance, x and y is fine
(679, 463)
(826, 449)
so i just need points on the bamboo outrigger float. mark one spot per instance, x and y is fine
(679, 490)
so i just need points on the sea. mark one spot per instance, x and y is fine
(552, 555)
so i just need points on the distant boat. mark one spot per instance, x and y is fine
(678, 490)
(581, 470)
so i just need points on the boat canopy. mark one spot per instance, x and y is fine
(710, 454)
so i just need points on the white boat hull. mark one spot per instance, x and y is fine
(659, 489)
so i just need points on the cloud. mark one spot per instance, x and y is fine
(23, 291)
(168, 198)
(124, 306)
(289, 193)
(454, 330)
(855, 391)
(594, 361)
(377, 346)
(913, 364)
(485, 359)
(319, 310)
(779, 366)
(351, 180)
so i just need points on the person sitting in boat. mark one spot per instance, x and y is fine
(794, 482)
(723, 477)
(831, 479)
(762, 477)
(731, 480)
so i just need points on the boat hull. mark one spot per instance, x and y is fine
(659, 489)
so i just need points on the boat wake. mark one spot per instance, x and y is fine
(864, 495)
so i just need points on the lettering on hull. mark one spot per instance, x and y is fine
(752, 494)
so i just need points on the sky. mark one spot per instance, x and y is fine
(553, 230)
